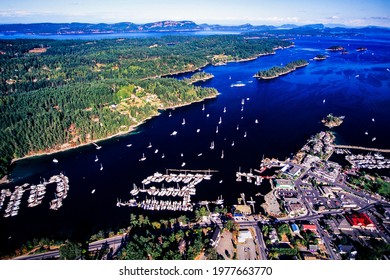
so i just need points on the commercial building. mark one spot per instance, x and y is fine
(360, 220)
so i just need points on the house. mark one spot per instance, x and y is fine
(313, 248)
(310, 227)
(273, 236)
(284, 184)
(216, 237)
(294, 228)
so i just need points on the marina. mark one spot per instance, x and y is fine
(37, 194)
(182, 183)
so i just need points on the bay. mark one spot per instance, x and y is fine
(288, 109)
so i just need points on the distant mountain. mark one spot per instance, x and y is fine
(176, 26)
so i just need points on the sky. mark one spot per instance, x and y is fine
(233, 12)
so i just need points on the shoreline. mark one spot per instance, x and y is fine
(131, 129)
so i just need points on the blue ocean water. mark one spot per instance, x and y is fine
(288, 109)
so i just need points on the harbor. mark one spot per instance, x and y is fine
(37, 194)
(183, 183)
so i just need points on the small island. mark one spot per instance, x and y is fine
(332, 121)
(320, 57)
(335, 49)
(277, 71)
(361, 49)
(199, 77)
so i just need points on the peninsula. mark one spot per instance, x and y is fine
(199, 77)
(277, 71)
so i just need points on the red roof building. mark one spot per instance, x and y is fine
(310, 227)
(360, 220)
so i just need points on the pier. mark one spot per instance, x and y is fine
(362, 148)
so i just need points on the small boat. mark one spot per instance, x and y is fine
(143, 157)
(230, 77)
(224, 109)
(212, 146)
(203, 108)
(156, 151)
(216, 131)
(242, 102)
(366, 133)
(101, 167)
(170, 114)
(183, 164)
(200, 154)
(208, 115)
(198, 130)
(232, 143)
(93, 191)
(97, 146)
(245, 134)
(55, 160)
(222, 155)
(373, 139)
(373, 119)
(184, 121)
(163, 156)
(248, 98)
(181, 155)
(242, 108)
(96, 159)
(357, 76)
(129, 145)
(256, 121)
(220, 120)
(150, 145)
(238, 127)
(323, 101)
(174, 133)
(221, 181)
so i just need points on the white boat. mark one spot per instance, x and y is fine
(198, 130)
(101, 167)
(163, 156)
(212, 145)
(143, 157)
(216, 131)
(245, 134)
(150, 145)
(170, 114)
(230, 77)
(156, 151)
(174, 133)
(182, 155)
(184, 121)
(357, 76)
(238, 127)
(93, 191)
(366, 133)
(232, 143)
(242, 102)
(208, 115)
(200, 154)
(224, 109)
(373, 139)
(248, 98)
(183, 164)
(96, 159)
(256, 121)
(373, 119)
(220, 120)
(323, 101)
(203, 108)
(129, 145)
(222, 155)
(55, 160)
(134, 191)
(242, 108)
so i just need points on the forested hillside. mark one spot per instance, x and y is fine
(61, 93)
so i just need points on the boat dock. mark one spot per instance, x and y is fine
(180, 195)
(362, 148)
(249, 177)
(37, 193)
(375, 161)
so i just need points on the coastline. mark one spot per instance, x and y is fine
(131, 129)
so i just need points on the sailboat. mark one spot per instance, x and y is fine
(55, 160)
(242, 102)
(174, 133)
(216, 131)
(181, 155)
(97, 146)
(256, 121)
(373, 119)
(208, 115)
(96, 159)
(222, 155)
(198, 130)
(183, 164)
(200, 154)
(220, 120)
(323, 101)
(93, 191)
(212, 145)
(232, 143)
(203, 108)
(184, 121)
(224, 109)
(129, 145)
(101, 167)
(366, 133)
(150, 145)
(163, 156)
(170, 114)
(238, 127)
(242, 108)
(156, 151)
(245, 134)
(143, 157)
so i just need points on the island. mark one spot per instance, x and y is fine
(361, 49)
(199, 77)
(332, 121)
(277, 71)
(320, 57)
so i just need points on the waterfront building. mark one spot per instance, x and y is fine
(284, 184)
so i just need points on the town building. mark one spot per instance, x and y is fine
(216, 237)
(310, 227)
(360, 220)
(284, 184)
